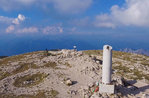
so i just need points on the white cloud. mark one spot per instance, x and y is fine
(13, 22)
(4, 19)
(10, 29)
(19, 19)
(28, 30)
(64, 6)
(8, 20)
(13, 29)
(134, 12)
(52, 30)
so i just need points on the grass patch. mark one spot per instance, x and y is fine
(123, 55)
(67, 64)
(23, 67)
(40, 94)
(6, 60)
(32, 53)
(93, 52)
(53, 93)
(146, 63)
(4, 75)
(29, 80)
(121, 68)
(127, 58)
(51, 65)
(117, 62)
(139, 75)
(146, 77)
(136, 74)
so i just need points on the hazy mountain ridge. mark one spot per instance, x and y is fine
(138, 51)
(69, 73)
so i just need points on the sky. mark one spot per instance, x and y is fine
(28, 25)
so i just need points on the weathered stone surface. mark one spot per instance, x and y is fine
(106, 88)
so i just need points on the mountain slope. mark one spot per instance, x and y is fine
(69, 73)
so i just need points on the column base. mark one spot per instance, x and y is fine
(104, 88)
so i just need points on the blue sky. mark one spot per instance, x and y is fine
(111, 21)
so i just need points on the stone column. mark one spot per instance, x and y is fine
(107, 64)
(106, 86)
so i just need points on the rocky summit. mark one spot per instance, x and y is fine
(72, 74)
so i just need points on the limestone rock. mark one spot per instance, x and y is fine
(68, 82)
(145, 96)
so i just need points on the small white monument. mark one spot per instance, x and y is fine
(75, 48)
(106, 86)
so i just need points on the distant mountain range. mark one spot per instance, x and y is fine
(138, 51)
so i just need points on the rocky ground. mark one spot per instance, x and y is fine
(72, 74)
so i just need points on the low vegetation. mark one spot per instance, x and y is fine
(7, 60)
(4, 75)
(68, 65)
(146, 63)
(53, 93)
(51, 65)
(129, 73)
(93, 52)
(29, 80)
(40, 94)
(124, 64)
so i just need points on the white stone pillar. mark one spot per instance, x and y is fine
(107, 64)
